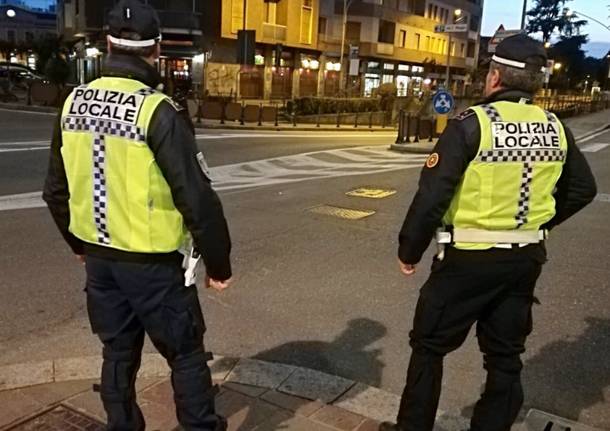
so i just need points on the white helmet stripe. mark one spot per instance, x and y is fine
(508, 62)
(133, 43)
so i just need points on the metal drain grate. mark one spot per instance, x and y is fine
(60, 419)
(541, 421)
(343, 213)
(371, 193)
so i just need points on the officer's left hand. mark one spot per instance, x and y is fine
(81, 258)
(217, 285)
(406, 268)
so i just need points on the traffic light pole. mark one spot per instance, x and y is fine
(346, 5)
(245, 13)
(448, 75)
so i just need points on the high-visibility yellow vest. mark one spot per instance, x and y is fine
(509, 185)
(118, 195)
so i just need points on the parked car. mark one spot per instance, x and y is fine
(20, 76)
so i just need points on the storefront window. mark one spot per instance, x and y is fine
(177, 74)
(371, 82)
(388, 79)
(402, 83)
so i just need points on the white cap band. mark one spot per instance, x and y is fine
(512, 63)
(134, 43)
(508, 62)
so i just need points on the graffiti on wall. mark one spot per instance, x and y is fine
(222, 78)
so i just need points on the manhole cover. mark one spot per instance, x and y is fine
(344, 213)
(541, 421)
(60, 419)
(371, 193)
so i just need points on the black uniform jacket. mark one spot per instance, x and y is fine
(456, 148)
(171, 138)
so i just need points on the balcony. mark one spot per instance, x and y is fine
(172, 21)
(274, 32)
(180, 20)
(385, 49)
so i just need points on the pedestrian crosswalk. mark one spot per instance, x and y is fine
(312, 166)
(281, 170)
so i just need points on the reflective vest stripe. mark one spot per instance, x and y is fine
(99, 189)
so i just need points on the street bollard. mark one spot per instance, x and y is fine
(384, 119)
(276, 114)
(319, 114)
(401, 121)
(242, 114)
(294, 118)
(432, 129)
(371, 120)
(223, 106)
(407, 135)
(356, 120)
(417, 129)
(260, 114)
(338, 119)
(199, 114)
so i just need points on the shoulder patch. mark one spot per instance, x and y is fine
(465, 114)
(174, 104)
(433, 160)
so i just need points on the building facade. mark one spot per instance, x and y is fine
(386, 41)
(286, 54)
(84, 23)
(21, 26)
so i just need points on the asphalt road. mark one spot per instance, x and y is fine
(312, 289)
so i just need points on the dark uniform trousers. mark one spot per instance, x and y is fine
(495, 290)
(125, 301)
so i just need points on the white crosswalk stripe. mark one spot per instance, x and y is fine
(594, 148)
(281, 170)
(309, 166)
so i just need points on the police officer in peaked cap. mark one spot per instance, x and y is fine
(130, 192)
(502, 175)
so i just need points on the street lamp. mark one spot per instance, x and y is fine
(557, 66)
(570, 13)
(10, 13)
(457, 17)
(346, 6)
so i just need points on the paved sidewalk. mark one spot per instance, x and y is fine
(255, 395)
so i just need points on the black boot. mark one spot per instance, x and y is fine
(389, 426)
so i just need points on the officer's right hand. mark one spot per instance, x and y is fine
(217, 285)
(406, 268)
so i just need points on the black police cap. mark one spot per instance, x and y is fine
(134, 24)
(521, 52)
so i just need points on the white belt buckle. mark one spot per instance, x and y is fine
(443, 237)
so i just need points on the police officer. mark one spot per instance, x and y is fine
(502, 175)
(128, 189)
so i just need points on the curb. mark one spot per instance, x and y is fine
(355, 397)
(32, 108)
(413, 148)
(200, 127)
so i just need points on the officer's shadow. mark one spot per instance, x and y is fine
(349, 355)
(569, 376)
